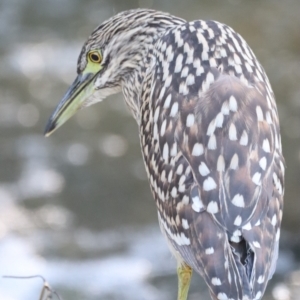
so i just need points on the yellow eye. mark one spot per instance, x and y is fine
(95, 57)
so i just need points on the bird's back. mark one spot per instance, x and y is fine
(211, 143)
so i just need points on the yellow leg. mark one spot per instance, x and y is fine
(184, 279)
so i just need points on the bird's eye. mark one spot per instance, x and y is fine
(95, 57)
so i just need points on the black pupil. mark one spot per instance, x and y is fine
(95, 57)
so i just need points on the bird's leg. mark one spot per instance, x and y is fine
(184, 279)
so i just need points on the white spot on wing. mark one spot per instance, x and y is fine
(209, 184)
(256, 244)
(203, 169)
(216, 281)
(232, 132)
(174, 109)
(219, 120)
(266, 146)
(185, 224)
(259, 114)
(197, 205)
(178, 65)
(238, 221)
(212, 143)
(263, 163)
(232, 103)
(190, 120)
(225, 108)
(234, 163)
(244, 138)
(209, 251)
(163, 128)
(256, 178)
(197, 149)
(221, 164)
(238, 200)
(168, 101)
(166, 152)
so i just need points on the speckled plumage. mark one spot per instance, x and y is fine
(210, 140)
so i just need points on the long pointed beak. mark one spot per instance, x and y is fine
(73, 100)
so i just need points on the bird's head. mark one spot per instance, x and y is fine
(114, 50)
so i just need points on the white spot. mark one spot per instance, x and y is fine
(167, 101)
(209, 251)
(185, 200)
(168, 81)
(185, 224)
(232, 132)
(274, 220)
(199, 71)
(166, 152)
(277, 235)
(221, 163)
(183, 89)
(163, 176)
(190, 120)
(234, 163)
(261, 279)
(209, 184)
(178, 65)
(232, 104)
(258, 296)
(256, 244)
(263, 163)
(219, 120)
(156, 114)
(244, 138)
(184, 71)
(209, 80)
(212, 62)
(163, 128)
(174, 109)
(197, 149)
(211, 127)
(174, 150)
(247, 226)
(238, 200)
(259, 114)
(222, 296)
(257, 223)
(212, 207)
(179, 169)
(256, 178)
(216, 281)
(266, 146)
(190, 79)
(197, 205)
(162, 92)
(238, 69)
(268, 117)
(212, 143)
(170, 176)
(174, 192)
(203, 169)
(238, 221)
(225, 108)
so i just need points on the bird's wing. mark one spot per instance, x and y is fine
(215, 118)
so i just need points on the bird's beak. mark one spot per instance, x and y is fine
(81, 89)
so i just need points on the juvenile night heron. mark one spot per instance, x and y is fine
(210, 140)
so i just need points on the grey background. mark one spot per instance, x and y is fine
(76, 207)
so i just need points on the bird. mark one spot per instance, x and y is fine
(210, 140)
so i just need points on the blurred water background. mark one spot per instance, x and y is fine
(76, 207)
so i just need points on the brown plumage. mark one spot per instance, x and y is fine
(210, 140)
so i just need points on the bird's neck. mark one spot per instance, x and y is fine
(133, 87)
(133, 81)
